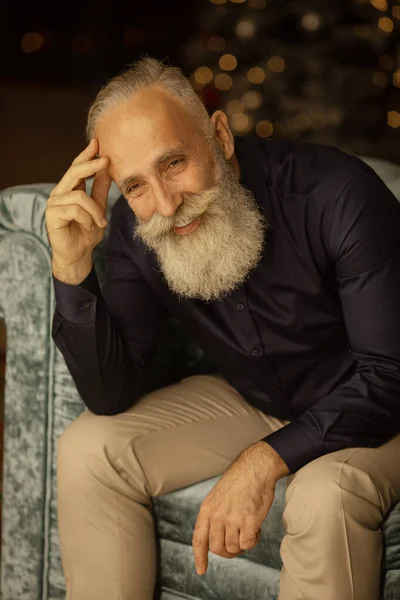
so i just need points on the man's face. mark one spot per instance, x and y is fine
(171, 175)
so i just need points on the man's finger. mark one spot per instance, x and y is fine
(100, 188)
(249, 537)
(78, 173)
(200, 544)
(216, 537)
(232, 533)
(89, 152)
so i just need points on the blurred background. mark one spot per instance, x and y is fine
(324, 71)
(316, 70)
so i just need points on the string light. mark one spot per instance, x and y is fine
(31, 42)
(257, 4)
(203, 75)
(385, 24)
(245, 28)
(255, 75)
(380, 4)
(227, 62)
(223, 81)
(276, 64)
(216, 43)
(264, 129)
(393, 119)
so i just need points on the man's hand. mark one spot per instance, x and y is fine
(231, 515)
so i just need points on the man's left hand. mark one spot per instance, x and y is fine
(231, 515)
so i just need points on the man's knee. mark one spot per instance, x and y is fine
(85, 446)
(324, 489)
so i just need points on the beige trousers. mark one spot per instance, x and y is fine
(109, 467)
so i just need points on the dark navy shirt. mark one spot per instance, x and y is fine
(312, 336)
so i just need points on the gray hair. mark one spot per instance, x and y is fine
(144, 73)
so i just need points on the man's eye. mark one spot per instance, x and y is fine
(133, 188)
(175, 162)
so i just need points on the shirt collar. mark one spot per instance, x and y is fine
(251, 153)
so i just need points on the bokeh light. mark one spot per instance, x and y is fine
(264, 128)
(311, 21)
(256, 75)
(218, 1)
(227, 62)
(203, 75)
(385, 24)
(31, 42)
(252, 99)
(245, 28)
(380, 79)
(393, 119)
(223, 81)
(241, 122)
(380, 4)
(234, 106)
(396, 78)
(276, 64)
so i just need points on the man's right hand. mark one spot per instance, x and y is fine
(74, 220)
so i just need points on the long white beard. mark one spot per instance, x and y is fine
(220, 254)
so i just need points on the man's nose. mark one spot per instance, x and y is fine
(167, 201)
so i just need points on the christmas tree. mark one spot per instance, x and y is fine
(323, 71)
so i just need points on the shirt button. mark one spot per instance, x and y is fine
(240, 306)
(255, 353)
(86, 304)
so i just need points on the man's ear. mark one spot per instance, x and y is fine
(223, 133)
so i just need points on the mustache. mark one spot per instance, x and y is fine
(192, 207)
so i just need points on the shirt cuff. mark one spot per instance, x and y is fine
(77, 303)
(297, 443)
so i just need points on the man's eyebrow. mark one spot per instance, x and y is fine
(159, 160)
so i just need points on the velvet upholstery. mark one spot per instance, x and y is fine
(41, 399)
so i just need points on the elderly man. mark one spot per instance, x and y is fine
(282, 260)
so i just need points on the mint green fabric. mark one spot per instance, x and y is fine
(41, 399)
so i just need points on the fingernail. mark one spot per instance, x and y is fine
(104, 222)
